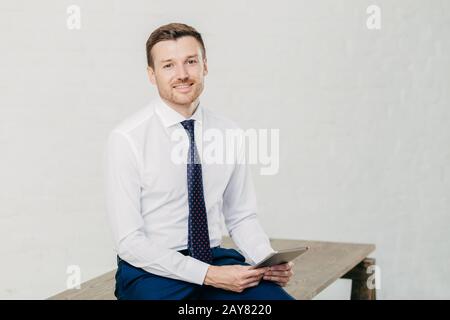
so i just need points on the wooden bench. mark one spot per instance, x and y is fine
(323, 264)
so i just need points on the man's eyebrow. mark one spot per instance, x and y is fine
(190, 56)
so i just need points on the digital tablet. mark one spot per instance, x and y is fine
(280, 257)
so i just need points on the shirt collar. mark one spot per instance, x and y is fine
(171, 117)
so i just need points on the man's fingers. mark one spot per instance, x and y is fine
(255, 272)
(277, 279)
(249, 285)
(282, 273)
(284, 266)
(252, 279)
(253, 284)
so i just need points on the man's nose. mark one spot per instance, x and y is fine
(182, 73)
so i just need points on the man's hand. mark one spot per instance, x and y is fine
(280, 274)
(234, 277)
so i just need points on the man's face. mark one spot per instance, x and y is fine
(179, 70)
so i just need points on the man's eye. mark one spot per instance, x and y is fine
(192, 61)
(167, 65)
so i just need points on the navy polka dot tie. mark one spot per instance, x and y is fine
(198, 235)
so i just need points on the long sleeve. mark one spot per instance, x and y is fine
(239, 208)
(122, 179)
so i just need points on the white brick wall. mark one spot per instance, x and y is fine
(363, 118)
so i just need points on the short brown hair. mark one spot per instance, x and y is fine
(171, 31)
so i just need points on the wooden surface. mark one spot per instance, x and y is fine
(315, 270)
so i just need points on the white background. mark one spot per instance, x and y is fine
(363, 116)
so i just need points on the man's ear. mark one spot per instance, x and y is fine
(151, 75)
(205, 67)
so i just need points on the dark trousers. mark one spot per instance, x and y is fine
(136, 284)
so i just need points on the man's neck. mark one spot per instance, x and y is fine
(185, 110)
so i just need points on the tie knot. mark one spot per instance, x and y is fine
(188, 126)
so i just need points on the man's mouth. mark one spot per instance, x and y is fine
(183, 87)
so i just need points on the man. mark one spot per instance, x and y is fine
(165, 215)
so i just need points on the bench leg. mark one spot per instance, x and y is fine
(359, 277)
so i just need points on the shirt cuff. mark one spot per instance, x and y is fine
(261, 252)
(196, 270)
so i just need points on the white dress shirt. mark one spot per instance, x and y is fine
(147, 195)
